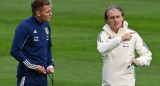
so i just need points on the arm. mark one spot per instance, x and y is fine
(21, 35)
(20, 38)
(104, 46)
(50, 68)
(144, 52)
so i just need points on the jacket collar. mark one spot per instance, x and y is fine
(121, 31)
(36, 21)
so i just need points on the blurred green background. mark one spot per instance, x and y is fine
(75, 25)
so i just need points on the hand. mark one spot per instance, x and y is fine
(41, 69)
(136, 61)
(50, 69)
(127, 36)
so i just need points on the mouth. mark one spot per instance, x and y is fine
(116, 24)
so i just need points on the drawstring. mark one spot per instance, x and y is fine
(51, 77)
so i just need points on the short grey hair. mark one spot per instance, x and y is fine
(112, 7)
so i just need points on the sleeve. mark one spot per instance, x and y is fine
(105, 46)
(21, 35)
(145, 55)
(50, 59)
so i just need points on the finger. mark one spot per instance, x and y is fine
(39, 69)
(43, 70)
(130, 62)
(134, 63)
(49, 71)
(132, 32)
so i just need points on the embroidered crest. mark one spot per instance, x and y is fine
(47, 31)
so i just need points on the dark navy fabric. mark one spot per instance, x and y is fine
(32, 42)
(33, 79)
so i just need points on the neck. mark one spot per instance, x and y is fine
(115, 30)
(37, 18)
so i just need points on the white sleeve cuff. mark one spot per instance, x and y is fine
(29, 65)
(120, 40)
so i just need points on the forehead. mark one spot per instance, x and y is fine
(114, 13)
(46, 7)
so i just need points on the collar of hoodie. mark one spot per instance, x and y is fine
(121, 31)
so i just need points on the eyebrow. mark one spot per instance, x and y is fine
(114, 16)
(48, 11)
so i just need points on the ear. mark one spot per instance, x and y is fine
(123, 18)
(107, 21)
(38, 13)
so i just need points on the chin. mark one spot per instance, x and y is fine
(47, 20)
(118, 27)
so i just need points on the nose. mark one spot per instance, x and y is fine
(50, 14)
(115, 19)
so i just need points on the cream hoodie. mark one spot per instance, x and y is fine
(117, 55)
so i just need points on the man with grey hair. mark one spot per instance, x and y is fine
(117, 44)
(31, 46)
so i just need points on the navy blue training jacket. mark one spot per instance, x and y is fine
(32, 45)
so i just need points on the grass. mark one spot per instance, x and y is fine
(75, 26)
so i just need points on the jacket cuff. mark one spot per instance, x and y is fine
(120, 40)
(140, 64)
(29, 65)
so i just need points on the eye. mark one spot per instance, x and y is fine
(48, 11)
(112, 17)
(118, 17)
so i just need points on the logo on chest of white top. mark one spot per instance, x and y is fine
(46, 30)
(125, 44)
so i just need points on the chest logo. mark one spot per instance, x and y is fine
(46, 30)
(109, 37)
(125, 44)
(36, 38)
(35, 31)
